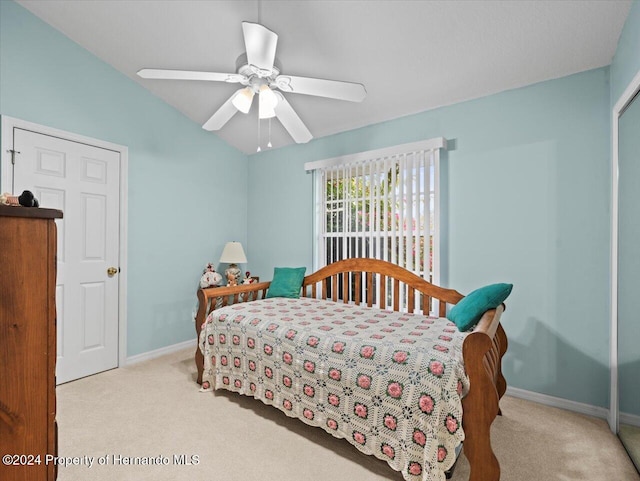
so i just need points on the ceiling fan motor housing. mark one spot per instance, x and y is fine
(250, 71)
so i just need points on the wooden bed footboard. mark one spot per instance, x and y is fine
(384, 285)
(482, 352)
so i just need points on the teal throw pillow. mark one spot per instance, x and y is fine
(286, 282)
(466, 313)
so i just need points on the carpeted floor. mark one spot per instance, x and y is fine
(154, 409)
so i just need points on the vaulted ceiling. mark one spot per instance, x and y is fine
(410, 55)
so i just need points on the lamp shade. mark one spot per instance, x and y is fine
(233, 253)
(267, 102)
(242, 100)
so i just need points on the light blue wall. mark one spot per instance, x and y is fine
(527, 195)
(626, 62)
(183, 181)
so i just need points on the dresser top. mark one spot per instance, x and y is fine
(32, 212)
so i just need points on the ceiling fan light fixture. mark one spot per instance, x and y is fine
(267, 103)
(242, 101)
(266, 113)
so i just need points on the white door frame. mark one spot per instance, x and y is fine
(6, 141)
(632, 89)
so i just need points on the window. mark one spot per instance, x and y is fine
(381, 204)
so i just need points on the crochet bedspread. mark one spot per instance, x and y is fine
(390, 383)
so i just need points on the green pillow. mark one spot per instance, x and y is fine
(466, 313)
(286, 282)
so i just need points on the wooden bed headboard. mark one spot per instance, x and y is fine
(383, 283)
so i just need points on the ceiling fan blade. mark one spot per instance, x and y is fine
(161, 74)
(260, 43)
(223, 114)
(333, 89)
(290, 120)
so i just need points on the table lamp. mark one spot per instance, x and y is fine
(233, 254)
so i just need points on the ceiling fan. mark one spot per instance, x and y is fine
(259, 71)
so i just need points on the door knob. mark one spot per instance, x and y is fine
(112, 271)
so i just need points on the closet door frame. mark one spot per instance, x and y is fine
(625, 99)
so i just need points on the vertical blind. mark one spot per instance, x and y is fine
(381, 204)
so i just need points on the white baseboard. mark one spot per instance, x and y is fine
(630, 419)
(557, 402)
(145, 356)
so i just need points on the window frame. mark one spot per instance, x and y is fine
(428, 147)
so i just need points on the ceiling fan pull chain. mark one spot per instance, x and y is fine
(259, 149)
(269, 144)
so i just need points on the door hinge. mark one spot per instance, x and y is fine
(13, 156)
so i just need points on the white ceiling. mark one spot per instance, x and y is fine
(410, 55)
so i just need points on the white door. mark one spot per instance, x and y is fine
(83, 181)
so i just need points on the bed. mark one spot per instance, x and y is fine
(356, 357)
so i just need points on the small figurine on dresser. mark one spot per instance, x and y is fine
(210, 278)
(8, 199)
(26, 199)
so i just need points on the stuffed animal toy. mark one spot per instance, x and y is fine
(27, 199)
(210, 278)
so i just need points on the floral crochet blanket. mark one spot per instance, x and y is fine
(390, 383)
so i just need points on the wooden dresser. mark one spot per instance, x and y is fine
(28, 343)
